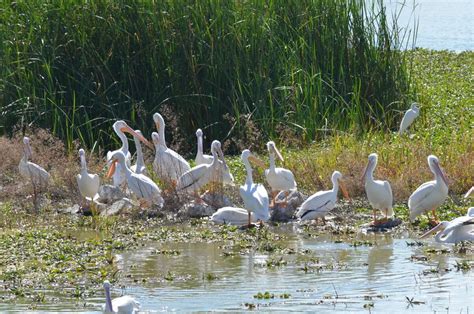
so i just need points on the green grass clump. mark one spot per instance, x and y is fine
(291, 67)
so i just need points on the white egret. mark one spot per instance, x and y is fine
(378, 192)
(120, 127)
(168, 164)
(255, 196)
(409, 117)
(31, 171)
(88, 183)
(139, 167)
(124, 304)
(456, 230)
(197, 177)
(279, 179)
(320, 203)
(143, 187)
(232, 216)
(429, 195)
(200, 157)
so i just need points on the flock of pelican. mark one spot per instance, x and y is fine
(175, 173)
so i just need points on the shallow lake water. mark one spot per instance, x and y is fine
(322, 274)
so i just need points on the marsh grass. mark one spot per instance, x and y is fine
(289, 66)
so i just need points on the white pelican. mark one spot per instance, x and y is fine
(378, 192)
(409, 117)
(456, 230)
(139, 167)
(471, 190)
(320, 203)
(88, 183)
(197, 177)
(255, 196)
(429, 195)
(232, 216)
(168, 164)
(143, 187)
(200, 157)
(279, 179)
(120, 127)
(123, 304)
(37, 174)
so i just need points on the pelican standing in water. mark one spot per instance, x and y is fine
(232, 216)
(124, 304)
(143, 187)
(139, 167)
(279, 179)
(121, 127)
(378, 192)
(429, 195)
(409, 117)
(199, 176)
(456, 230)
(255, 196)
(168, 164)
(39, 177)
(88, 183)
(200, 157)
(320, 203)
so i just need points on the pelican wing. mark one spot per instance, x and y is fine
(203, 159)
(417, 203)
(317, 205)
(388, 190)
(255, 199)
(145, 188)
(125, 304)
(194, 178)
(287, 178)
(232, 216)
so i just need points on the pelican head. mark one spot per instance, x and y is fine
(106, 284)
(198, 133)
(117, 157)
(27, 147)
(217, 149)
(414, 106)
(121, 126)
(273, 150)
(159, 121)
(82, 153)
(336, 179)
(370, 164)
(248, 156)
(470, 212)
(433, 163)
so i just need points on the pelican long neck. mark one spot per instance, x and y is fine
(335, 184)
(370, 171)
(108, 301)
(140, 160)
(215, 157)
(25, 157)
(83, 163)
(248, 167)
(272, 161)
(161, 132)
(439, 180)
(199, 151)
(124, 166)
(124, 140)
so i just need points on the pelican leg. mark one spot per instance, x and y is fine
(375, 222)
(274, 194)
(435, 220)
(285, 201)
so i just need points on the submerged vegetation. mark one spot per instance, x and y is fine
(289, 67)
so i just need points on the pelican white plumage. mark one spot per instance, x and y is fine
(232, 216)
(143, 187)
(279, 179)
(254, 195)
(88, 183)
(320, 203)
(31, 171)
(197, 177)
(410, 116)
(139, 167)
(456, 230)
(200, 157)
(121, 127)
(468, 194)
(124, 304)
(429, 195)
(378, 192)
(168, 164)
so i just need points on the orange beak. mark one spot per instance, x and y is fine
(111, 171)
(139, 136)
(344, 190)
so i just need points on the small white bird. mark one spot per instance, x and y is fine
(456, 230)
(232, 216)
(255, 196)
(429, 195)
(123, 305)
(279, 179)
(200, 157)
(320, 203)
(120, 127)
(143, 187)
(409, 117)
(196, 178)
(139, 167)
(88, 183)
(378, 192)
(471, 190)
(168, 164)
(31, 171)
